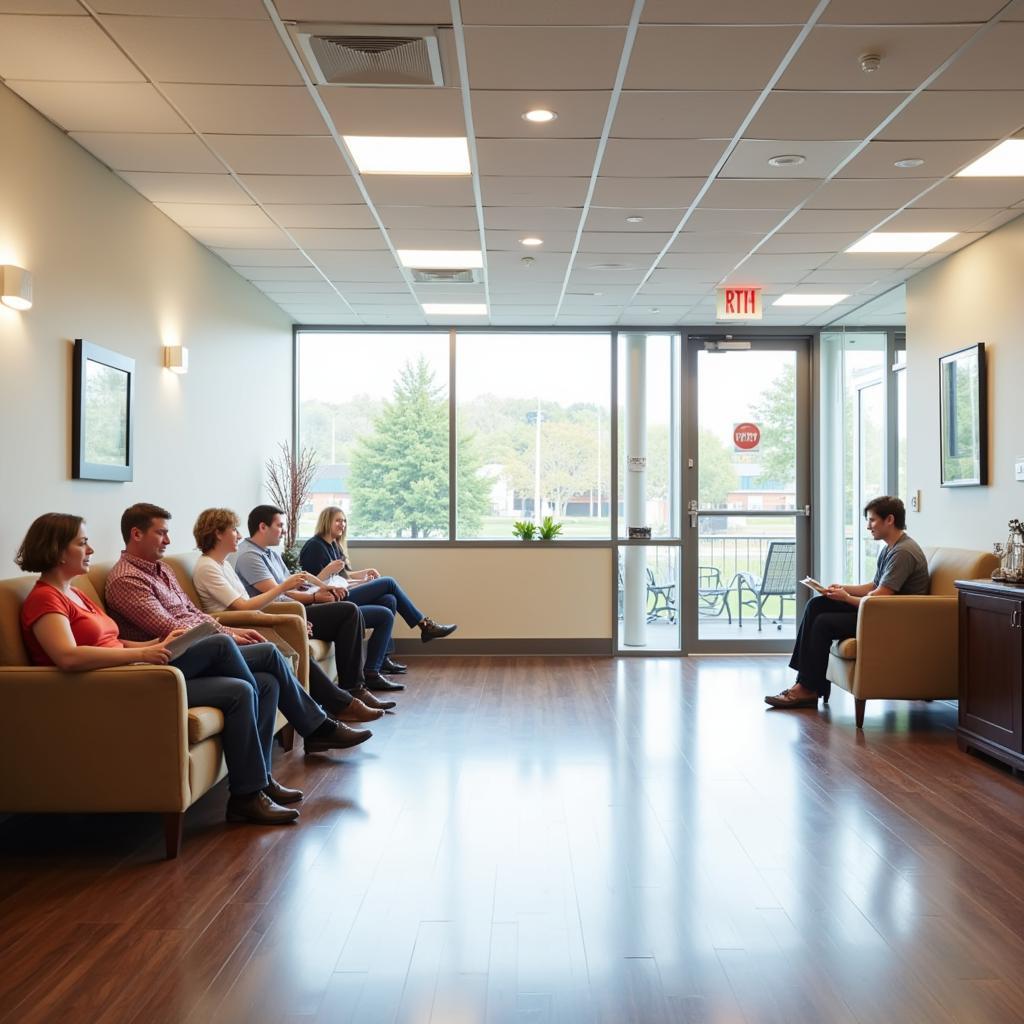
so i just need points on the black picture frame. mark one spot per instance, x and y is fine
(963, 418)
(102, 414)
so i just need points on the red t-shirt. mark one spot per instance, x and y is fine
(90, 626)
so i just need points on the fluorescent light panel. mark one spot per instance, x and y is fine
(441, 259)
(1005, 161)
(795, 299)
(455, 308)
(901, 241)
(381, 154)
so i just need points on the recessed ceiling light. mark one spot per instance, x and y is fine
(1005, 161)
(540, 116)
(914, 161)
(531, 240)
(380, 154)
(634, 220)
(792, 299)
(441, 259)
(787, 160)
(609, 266)
(901, 241)
(455, 308)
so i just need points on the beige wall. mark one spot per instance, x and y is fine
(975, 295)
(112, 269)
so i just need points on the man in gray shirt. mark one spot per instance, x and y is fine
(902, 569)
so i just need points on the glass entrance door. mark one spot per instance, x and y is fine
(746, 539)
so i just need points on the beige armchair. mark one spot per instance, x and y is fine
(906, 647)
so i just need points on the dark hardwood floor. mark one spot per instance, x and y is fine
(553, 840)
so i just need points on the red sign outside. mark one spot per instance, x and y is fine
(746, 436)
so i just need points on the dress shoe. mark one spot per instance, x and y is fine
(359, 711)
(332, 735)
(788, 699)
(393, 668)
(259, 809)
(375, 681)
(431, 630)
(281, 794)
(370, 701)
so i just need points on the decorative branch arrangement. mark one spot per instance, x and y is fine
(289, 476)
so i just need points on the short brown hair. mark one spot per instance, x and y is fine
(140, 516)
(262, 515)
(46, 540)
(209, 523)
(888, 505)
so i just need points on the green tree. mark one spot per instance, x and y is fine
(399, 475)
(775, 414)
(717, 474)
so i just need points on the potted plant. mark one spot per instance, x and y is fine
(549, 529)
(525, 529)
(289, 476)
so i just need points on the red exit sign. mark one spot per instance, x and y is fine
(739, 303)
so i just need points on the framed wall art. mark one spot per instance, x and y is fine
(103, 401)
(963, 418)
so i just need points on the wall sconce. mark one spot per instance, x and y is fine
(15, 287)
(176, 358)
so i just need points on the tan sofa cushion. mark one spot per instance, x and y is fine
(319, 649)
(203, 723)
(948, 564)
(845, 648)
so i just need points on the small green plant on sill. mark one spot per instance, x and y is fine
(549, 529)
(524, 529)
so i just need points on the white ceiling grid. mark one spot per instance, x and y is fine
(668, 110)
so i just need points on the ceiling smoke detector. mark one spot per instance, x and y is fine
(787, 160)
(909, 162)
(870, 62)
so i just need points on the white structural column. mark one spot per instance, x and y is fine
(634, 607)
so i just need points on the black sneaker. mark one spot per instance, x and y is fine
(431, 630)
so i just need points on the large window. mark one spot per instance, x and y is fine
(374, 408)
(533, 432)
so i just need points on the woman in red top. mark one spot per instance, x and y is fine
(61, 626)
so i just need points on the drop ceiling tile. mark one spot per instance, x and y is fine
(548, 266)
(547, 58)
(248, 109)
(702, 266)
(844, 280)
(60, 49)
(426, 218)
(542, 12)
(756, 12)
(124, 151)
(376, 265)
(281, 278)
(279, 154)
(379, 12)
(498, 114)
(640, 193)
(536, 157)
(211, 215)
(512, 218)
(985, 193)
(782, 268)
(450, 293)
(878, 159)
(161, 187)
(252, 9)
(958, 241)
(339, 238)
(519, 291)
(613, 219)
(545, 309)
(420, 190)
(297, 215)
(303, 189)
(521, 321)
(101, 106)
(554, 241)
(296, 291)
(212, 51)
(522, 191)
(406, 111)
(875, 261)
(413, 238)
(715, 221)
(757, 194)
(935, 115)
(716, 241)
(263, 257)
(829, 57)
(362, 275)
(811, 243)
(667, 281)
(833, 220)
(624, 242)
(701, 58)
(41, 7)
(997, 220)
(992, 63)
(680, 115)
(866, 193)
(909, 12)
(660, 158)
(240, 238)
(750, 159)
(821, 115)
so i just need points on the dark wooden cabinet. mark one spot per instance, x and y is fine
(992, 670)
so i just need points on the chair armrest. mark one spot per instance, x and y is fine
(113, 739)
(907, 647)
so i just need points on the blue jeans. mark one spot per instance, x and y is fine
(372, 592)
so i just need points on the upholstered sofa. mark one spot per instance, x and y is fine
(115, 739)
(906, 647)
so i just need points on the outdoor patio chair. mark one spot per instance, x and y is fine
(778, 580)
(661, 599)
(712, 597)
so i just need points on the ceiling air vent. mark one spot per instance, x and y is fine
(444, 276)
(385, 55)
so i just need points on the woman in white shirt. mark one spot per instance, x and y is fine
(219, 589)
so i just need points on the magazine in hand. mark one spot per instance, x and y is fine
(179, 645)
(813, 584)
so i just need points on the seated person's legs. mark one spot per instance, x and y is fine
(382, 621)
(371, 592)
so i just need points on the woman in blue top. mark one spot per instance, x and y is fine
(325, 555)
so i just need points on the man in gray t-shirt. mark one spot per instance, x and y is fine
(902, 569)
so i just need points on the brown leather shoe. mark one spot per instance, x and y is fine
(258, 809)
(431, 630)
(358, 711)
(281, 794)
(373, 701)
(788, 699)
(333, 735)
